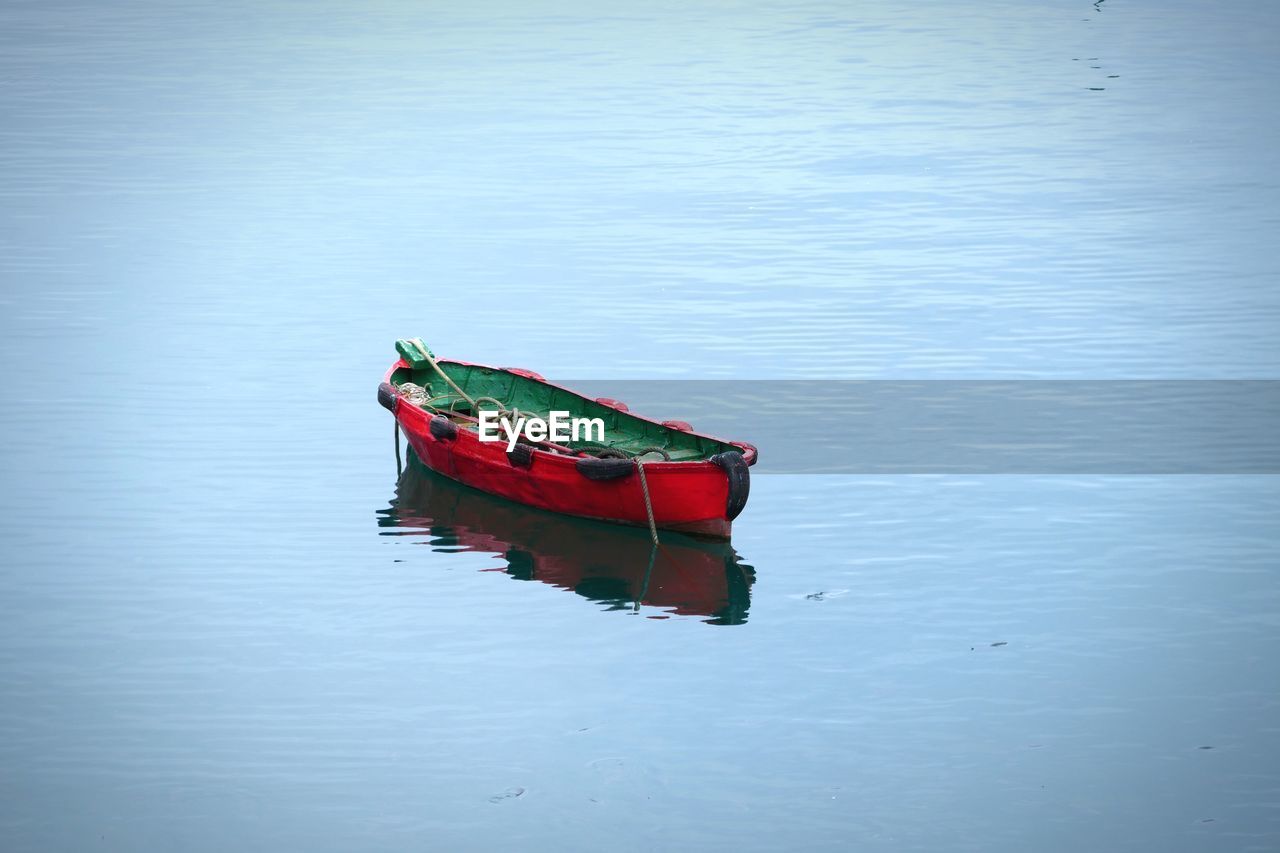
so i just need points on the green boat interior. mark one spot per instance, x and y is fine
(493, 390)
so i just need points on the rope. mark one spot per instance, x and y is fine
(502, 410)
(653, 533)
(637, 457)
(648, 573)
(604, 451)
(648, 503)
(474, 403)
(395, 425)
(422, 348)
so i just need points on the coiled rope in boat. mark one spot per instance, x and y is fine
(503, 411)
(431, 360)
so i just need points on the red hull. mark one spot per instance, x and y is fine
(687, 496)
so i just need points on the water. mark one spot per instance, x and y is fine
(216, 219)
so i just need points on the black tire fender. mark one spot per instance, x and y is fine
(443, 429)
(387, 397)
(521, 456)
(735, 468)
(594, 468)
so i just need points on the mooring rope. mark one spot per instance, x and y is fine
(422, 348)
(503, 411)
(648, 503)
(648, 573)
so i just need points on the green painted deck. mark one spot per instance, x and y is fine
(622, 431)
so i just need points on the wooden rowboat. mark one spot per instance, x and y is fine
(644, 472)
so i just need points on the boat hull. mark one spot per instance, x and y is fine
(689, 496)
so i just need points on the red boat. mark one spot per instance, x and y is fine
(607, 563)
(641, 472)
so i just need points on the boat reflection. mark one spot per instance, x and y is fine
(608, 563)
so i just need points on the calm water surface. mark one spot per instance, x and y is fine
(225, 625)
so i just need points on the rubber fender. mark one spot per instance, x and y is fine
(594, 468)
(683, 426)
(612, 403)
(527, 374)
(735, 467)
(521, 456)
(387, 397)
(443, 429)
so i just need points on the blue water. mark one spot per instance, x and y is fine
(221, 627)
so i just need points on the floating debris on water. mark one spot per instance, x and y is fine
(509, 794)
(820, 595)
